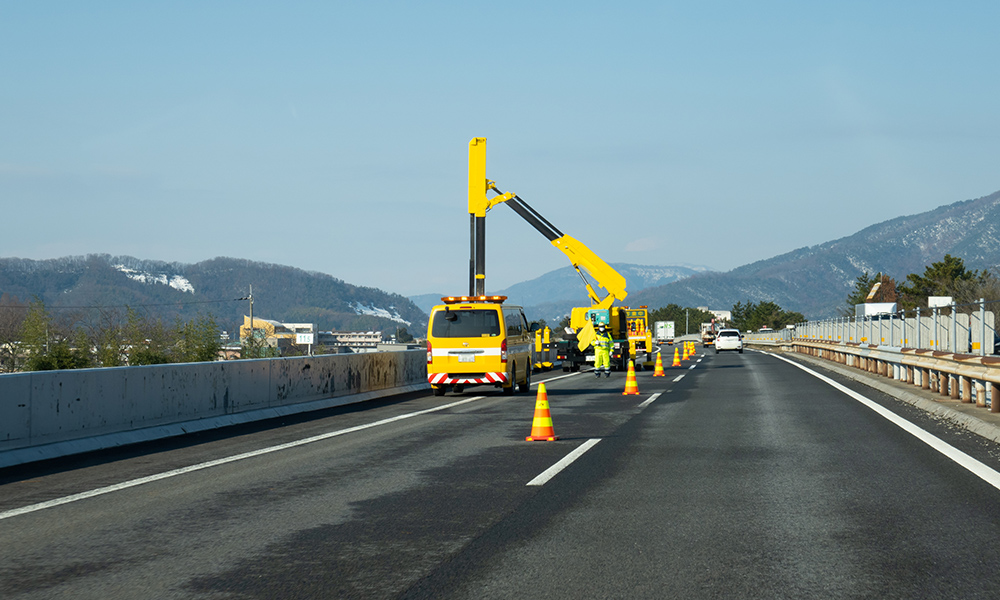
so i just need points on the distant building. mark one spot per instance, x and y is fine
(276, 334)
(722, 315)
(284, 336)
(357, 341)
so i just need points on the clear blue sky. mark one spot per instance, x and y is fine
(333, 136)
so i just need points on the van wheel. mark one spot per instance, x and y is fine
(439, 391)
(508, 390)
(525, 387)
(458, 389)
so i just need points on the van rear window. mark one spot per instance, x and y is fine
(465, 323)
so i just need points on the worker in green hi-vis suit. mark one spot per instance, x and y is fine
(602, 351)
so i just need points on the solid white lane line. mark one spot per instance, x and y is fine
(979, 469)
(560, 377)
(679, 377)
(650, 400)
(567, 460)
(214, 463)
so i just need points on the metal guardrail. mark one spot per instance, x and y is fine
(956, 328)
(959, 376)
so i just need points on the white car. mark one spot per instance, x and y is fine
(729, 339)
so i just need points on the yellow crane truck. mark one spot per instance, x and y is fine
(582, 258)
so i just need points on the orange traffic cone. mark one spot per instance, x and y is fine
(658, 369)
(631, 386)
(541, 426)
(685, 356)
(677, 358)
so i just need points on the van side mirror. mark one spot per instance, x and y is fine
(534, 327)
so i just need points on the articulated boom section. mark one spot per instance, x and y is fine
(579, 255)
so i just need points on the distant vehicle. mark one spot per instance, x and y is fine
(874, 309)
(765, 329)
(664, 332)
(707, 334)
(729, 339)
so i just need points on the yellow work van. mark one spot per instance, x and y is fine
(477, 340)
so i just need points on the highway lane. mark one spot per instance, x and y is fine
(753, 481)
(745, 478)
(361, 514)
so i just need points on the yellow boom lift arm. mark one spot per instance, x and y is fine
(582, 257)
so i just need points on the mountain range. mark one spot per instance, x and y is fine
(219, 287)
(814, 280)
(558, 291)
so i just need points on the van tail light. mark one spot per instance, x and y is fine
(503, 350)
(430, 353)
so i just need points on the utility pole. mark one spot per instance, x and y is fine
(250, 298)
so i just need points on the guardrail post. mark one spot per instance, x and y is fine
(980, 393)
(982, 321)
(936, 339)
(925, 378)
(954, 327)
(994, 391)
(966, 388)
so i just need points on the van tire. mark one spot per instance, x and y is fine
(525, 387)
(439, 391)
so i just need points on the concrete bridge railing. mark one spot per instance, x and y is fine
(56, 413)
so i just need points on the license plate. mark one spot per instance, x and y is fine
(590, 357)
(467, 358)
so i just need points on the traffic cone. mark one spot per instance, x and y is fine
(685, 356)
(658, 369)
(631, 386)
(677, 358)
(541, 426)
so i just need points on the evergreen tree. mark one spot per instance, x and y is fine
(198, 340)
(948, 277)
(681, 316)
(751, 316)
(146, 340)
(35, 335)
(886, 292)
(12, 312)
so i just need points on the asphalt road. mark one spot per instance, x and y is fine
(746, 477)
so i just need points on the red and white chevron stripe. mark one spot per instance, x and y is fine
(445, 379)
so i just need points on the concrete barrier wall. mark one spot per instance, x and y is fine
(50, 407)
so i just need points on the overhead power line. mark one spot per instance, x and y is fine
(27, 306)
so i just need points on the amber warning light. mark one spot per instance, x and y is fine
(457, 299)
